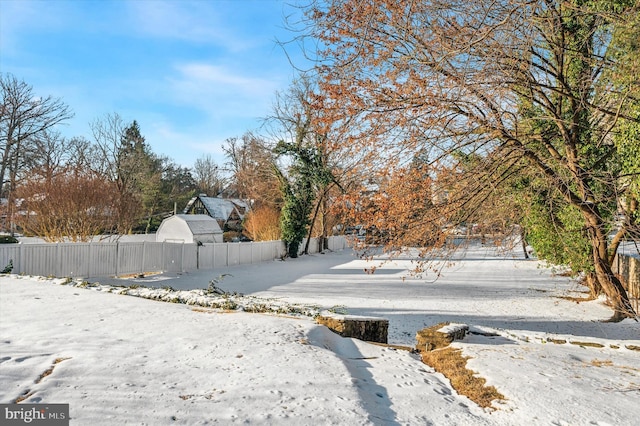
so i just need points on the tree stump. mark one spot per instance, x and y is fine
(369, 329)
(440, 336)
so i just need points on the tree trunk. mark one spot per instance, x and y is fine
(613, 288)
(523, 241)
(313, 221)
(592, 282)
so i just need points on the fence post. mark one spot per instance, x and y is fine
(182, 258)
(21, 256)
(144, 249)
(58, 270)
(164, 257)
(117, 257)
(89, 260)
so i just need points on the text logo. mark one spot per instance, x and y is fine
(34, 414)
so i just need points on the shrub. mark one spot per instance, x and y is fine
(263, 224)
(7, 239)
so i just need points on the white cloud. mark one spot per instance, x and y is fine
(199, 21)
(221, 91)
(201, 73)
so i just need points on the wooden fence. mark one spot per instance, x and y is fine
(98, 259)
(628, 268)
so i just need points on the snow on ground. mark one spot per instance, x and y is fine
(128, 360)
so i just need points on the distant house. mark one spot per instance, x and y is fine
(194, 228)
(228, 212)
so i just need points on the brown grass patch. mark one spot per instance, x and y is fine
(22, 397)
(49, 370)
(590, 344)
(44, 374)
(577, 299)
(450, 362)
(608, 363)
(215, 310)
(602, 363)
(397, 347)
(140, 275)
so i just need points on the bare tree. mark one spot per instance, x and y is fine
(49, 152)
(250, 162)
(208, 176)
(24, 117)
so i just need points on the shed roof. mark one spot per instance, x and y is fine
(200, 223)
(192, 228)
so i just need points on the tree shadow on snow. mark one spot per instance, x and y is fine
(374, 398)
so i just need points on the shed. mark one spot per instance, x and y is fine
(189, 228)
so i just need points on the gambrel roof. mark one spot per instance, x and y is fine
(189, 228)
(220, 209)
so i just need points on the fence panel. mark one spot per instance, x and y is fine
(130, 258)
(337, 242)
(256, 256)
(270, 250)
(233, 254)
(206, 256)
(172, 257)
(73, 260)
(99, 259)
(220, 254)
(189, 257)
(39, 259)
(267, 250)
(152, 255)
(244, 253)
(103, 259)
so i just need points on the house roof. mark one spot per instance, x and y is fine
(221, 208)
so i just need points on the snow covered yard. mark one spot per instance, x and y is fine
(127, 360)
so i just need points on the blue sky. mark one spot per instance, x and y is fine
(192, 73)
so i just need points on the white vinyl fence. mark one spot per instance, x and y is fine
(99, 259)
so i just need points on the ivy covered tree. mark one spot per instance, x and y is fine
(295, 215)
(308, 148)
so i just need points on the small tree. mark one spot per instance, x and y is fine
(70, 205)
(262, 224)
